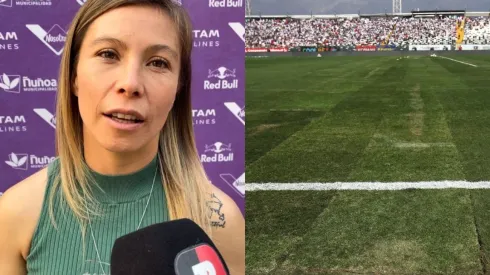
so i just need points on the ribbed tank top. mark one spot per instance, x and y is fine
(60, 251)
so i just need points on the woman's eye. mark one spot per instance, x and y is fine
(107, 54)
(159, 63)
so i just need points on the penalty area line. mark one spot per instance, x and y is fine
(469, 64)
(319, 186)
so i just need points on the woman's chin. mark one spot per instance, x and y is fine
(123, 147)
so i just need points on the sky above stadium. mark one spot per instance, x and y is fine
(276, 7)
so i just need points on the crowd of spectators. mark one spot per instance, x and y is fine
(395, 31)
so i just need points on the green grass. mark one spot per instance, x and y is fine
(345, 119)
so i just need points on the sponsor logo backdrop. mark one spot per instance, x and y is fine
(32, 36)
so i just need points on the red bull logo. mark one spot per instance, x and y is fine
(223, 75)
(225, 3)
(217, 151)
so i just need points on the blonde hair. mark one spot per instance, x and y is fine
(183, 175)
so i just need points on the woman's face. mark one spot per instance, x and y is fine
(127, 78)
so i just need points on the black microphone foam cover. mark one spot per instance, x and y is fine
(153, 250)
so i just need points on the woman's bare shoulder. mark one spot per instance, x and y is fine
(224, 206)
(228, 226)
(20, 209)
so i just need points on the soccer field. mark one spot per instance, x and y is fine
(342, 121)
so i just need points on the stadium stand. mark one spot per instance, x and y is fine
(477, 30)
(354, 30)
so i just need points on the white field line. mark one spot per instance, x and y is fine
(458, 61)
(318, 186)
(423, 145)
(371, 73)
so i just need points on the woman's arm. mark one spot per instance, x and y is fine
(228, 226)
(20, 208)
(11, 260)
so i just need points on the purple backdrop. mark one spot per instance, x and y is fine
(32, 33)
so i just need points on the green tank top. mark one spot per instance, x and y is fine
(60, 251)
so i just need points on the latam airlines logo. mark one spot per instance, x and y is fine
(238, 184)
(223, 76)
(12, 84)
(54, 39)
(12, 124)
(20, 161)
(236, 110)
(204, 113)
(208, 38)
(46, 116)
(203, 116)
(225, 3)
(8, 41)
(217, 152)
(5, 36)
(12, 119)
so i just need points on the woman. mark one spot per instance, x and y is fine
(125, 146)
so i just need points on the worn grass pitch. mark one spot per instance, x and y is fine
(361, 119)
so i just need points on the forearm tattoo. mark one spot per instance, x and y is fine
(215, 215)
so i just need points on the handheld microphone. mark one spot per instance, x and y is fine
(177, 247)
